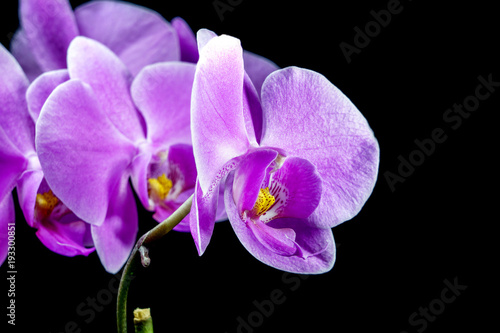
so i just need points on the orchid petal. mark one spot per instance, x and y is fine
(49, 26)
(7, 218)
(280, 241)
(182, 168)
(221, 210)
(202, 217)
(115, 238)
(14, 117)
(67, 239)
(41, 88)
(84, 156)
(315, 244)
(61, 231)
(162, 93)
(203, 36)
(21, 50)
(139, 176)
(309, 117)
(315, 248)
(27, 188)
(96, 65)
(139, 36)
(12, 164)
(249, 176)
(217, 121)
(258, 68)
(252, 111)
(206, 207)
(187, 40)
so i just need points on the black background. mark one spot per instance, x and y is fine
(393, 257)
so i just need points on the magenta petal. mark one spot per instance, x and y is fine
(162, 93)
(139, 36)
(115, 238)
(12, 164)
(84, 156)
(203, 36)
(314, 244)
(280, 241)
(206, 207)
(217, 122)
(14, 117)
(252, 111)
(96, 65)
(221, 210)
(309, 117)
(7, 218)
(258, 68)
(139, 177)
(249, 176)
(49, 26)
(21, 50)
(27, 188)
(67, 239)
(202, 217)
(182, 169)
(315, 247)
(187, 40)
(41, 88)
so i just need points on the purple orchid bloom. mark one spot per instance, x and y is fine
(57, 227)
(139, 36)
(294, 163)
(99, 129)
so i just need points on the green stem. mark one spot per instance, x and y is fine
(140, 255)
(143, 323)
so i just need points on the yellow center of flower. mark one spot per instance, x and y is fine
(159, 187)
(264, 201)
(45, 203)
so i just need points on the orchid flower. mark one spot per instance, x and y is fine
(139, 36)
(294, 162)
(99, 129)
(57, 227)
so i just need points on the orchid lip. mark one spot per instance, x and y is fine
(170, 175)
(48, 207)
(270, 203)
(272, 195)
(272, 186)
